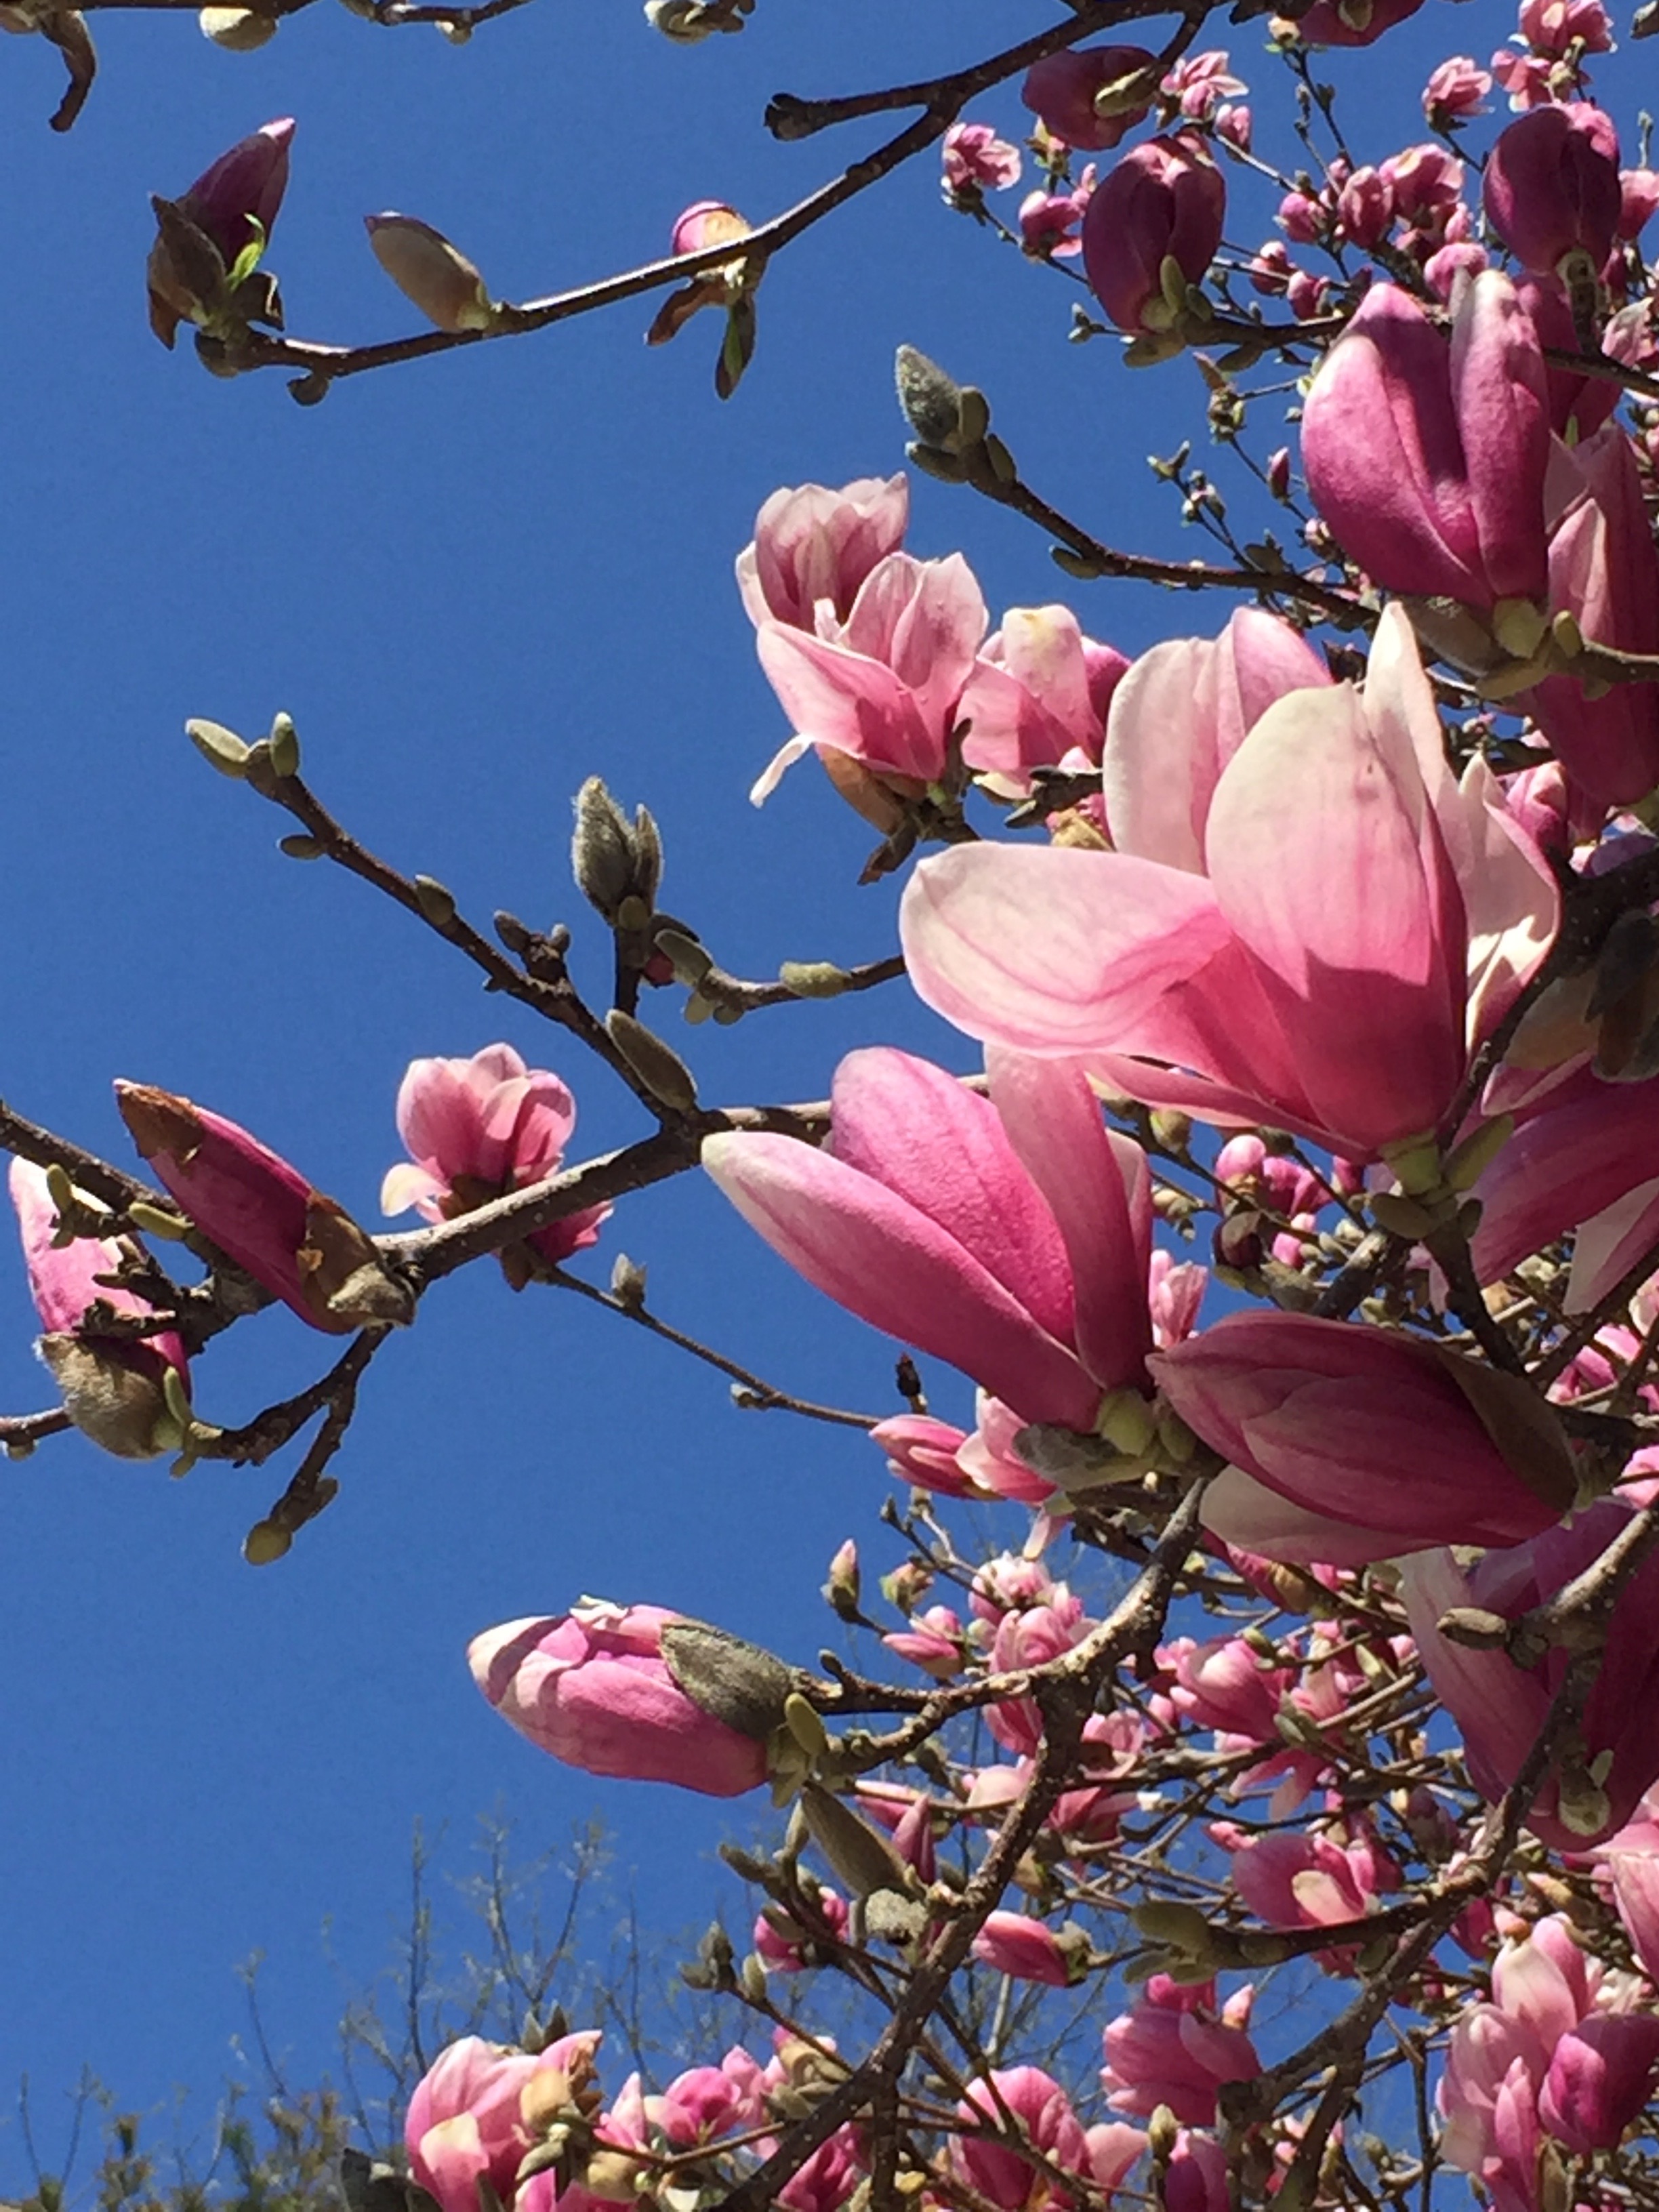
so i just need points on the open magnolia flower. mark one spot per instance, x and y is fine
(1363, 921)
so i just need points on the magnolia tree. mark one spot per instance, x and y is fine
(1291, 1204)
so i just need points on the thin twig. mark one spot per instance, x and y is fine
(756, 1392)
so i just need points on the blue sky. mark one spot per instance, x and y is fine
(472, 582)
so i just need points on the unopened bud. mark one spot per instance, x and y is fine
(264, 1542)
(686, 22)
(841, 1590)
(1473, 1626)
(284, 742)
(931, 399)
(628, 1283)
(222, 748)
(1162, 2132)
(1171, 1130)
(299, 846)
(812, 978)
(435, 901)
(238, 30)
(658, 1066)
(602, 849)
(726, 1677)
(435, 275)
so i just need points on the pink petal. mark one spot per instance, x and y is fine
(943, 1150)
(1052, 951)
(885, 1261)
(1099, 1188)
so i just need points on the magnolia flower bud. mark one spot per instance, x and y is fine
(427, 270)
(238, 30)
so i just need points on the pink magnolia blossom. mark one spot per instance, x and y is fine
(1552, 186)
(1197, 2180)
(233, 203)
(782, 1951)
(1631, 1858)
(975, 159)
(829, 2180)
(466, 2121)
(1009, 1234)
(1029, 1950)
(479, 1129)
(1164, 202)
(1307, 295)
(1309, 1878)
(1604, 570)
(1049, 222)
(303, 1248)
(1200, 82)
(1178, 1288)
(1365, 208)
(1425, 184)
(1529, 80)
(704, 224)
(1638, 200)
(1453, 264)
(594, 1689)
(990, 1457)
(1002, 2175)
(704, 2103)
(1062, 89)
(1039, 690)
(1587, 1148)
(113, 1387)
(1551, 27)
(1011, 1583)
(236, 197)
(815, 547)
(883, 690)
(922, 1451)
(1457, 90)
(1222, 1685)
(1331, 982)
(1428, 461)
(1560, 2050)
(1348, 1444)
(1177, 717)
(1500, 1707)
(1027, 1639)
(1177, 2047)
(933, 1642)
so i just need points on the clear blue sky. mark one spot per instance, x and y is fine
(472, 582)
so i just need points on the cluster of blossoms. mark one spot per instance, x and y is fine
(1379, 997)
